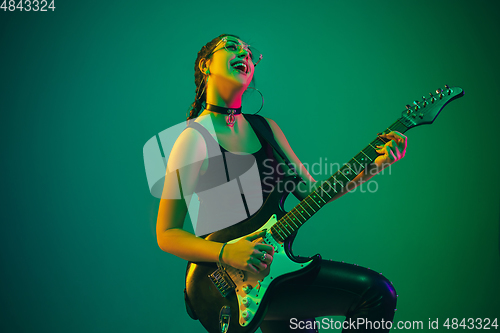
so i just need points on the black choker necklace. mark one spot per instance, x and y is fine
(229, 112)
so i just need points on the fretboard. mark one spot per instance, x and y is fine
(296, 217)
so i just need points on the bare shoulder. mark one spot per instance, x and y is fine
(188, 149)
(278, 133)
(270, 121)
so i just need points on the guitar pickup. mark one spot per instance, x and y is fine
(222, 281)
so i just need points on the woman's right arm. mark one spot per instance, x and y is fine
(184, 164)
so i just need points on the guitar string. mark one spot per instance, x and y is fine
(282, 221)
(398, 125)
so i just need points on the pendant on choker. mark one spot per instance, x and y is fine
(229, 112)
(230, 119)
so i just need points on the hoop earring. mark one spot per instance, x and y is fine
(262, 96)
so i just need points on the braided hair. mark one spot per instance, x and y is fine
(199, 77)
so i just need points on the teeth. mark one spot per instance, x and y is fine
(241, 64)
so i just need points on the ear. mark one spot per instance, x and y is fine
(203, 66)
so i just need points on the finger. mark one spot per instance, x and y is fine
(382, 150)
(382, 137)
(252, 269)
(386, 142)
(256, 235)
(257, 263)
(392, 156)
(264, 248)
(384, 154)
(389, 144)
(264, 257)
(269, 259)
(260, 256)
(397, 152)
(254, 261)
(402, 149)
(402, 146)
(387, 136)
(397, 136)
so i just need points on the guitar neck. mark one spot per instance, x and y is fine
(296, 217)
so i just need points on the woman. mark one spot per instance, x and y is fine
(224, 69)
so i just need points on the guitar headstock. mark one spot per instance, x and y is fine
(426, 110)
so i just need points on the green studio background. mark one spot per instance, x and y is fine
(84, 87)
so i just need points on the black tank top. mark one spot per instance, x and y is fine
(234, 186)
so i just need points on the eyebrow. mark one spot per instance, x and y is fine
(240, 42)
(237, 41)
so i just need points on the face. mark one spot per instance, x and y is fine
(231, 61)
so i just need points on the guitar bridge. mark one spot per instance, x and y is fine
(222, 281)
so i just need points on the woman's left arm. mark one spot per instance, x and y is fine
(392, 151)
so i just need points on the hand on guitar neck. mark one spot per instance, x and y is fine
(393, 150)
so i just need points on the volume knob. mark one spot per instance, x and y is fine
(246, 315)
(247, 289)
(246, 301)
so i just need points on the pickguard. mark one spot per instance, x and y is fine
(251, 288)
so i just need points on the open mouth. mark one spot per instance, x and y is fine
(240, 66)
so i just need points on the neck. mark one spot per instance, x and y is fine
(229, 97)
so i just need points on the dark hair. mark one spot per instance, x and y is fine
(199, 77)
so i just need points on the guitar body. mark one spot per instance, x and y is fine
(250, 292)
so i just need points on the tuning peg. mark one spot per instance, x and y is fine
(440, 92)
(424, 101)
(433, 99)
(448, 89)
(408, 108)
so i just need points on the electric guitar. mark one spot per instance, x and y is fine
(226, 299)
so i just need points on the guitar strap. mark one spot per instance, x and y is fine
(261, 126)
